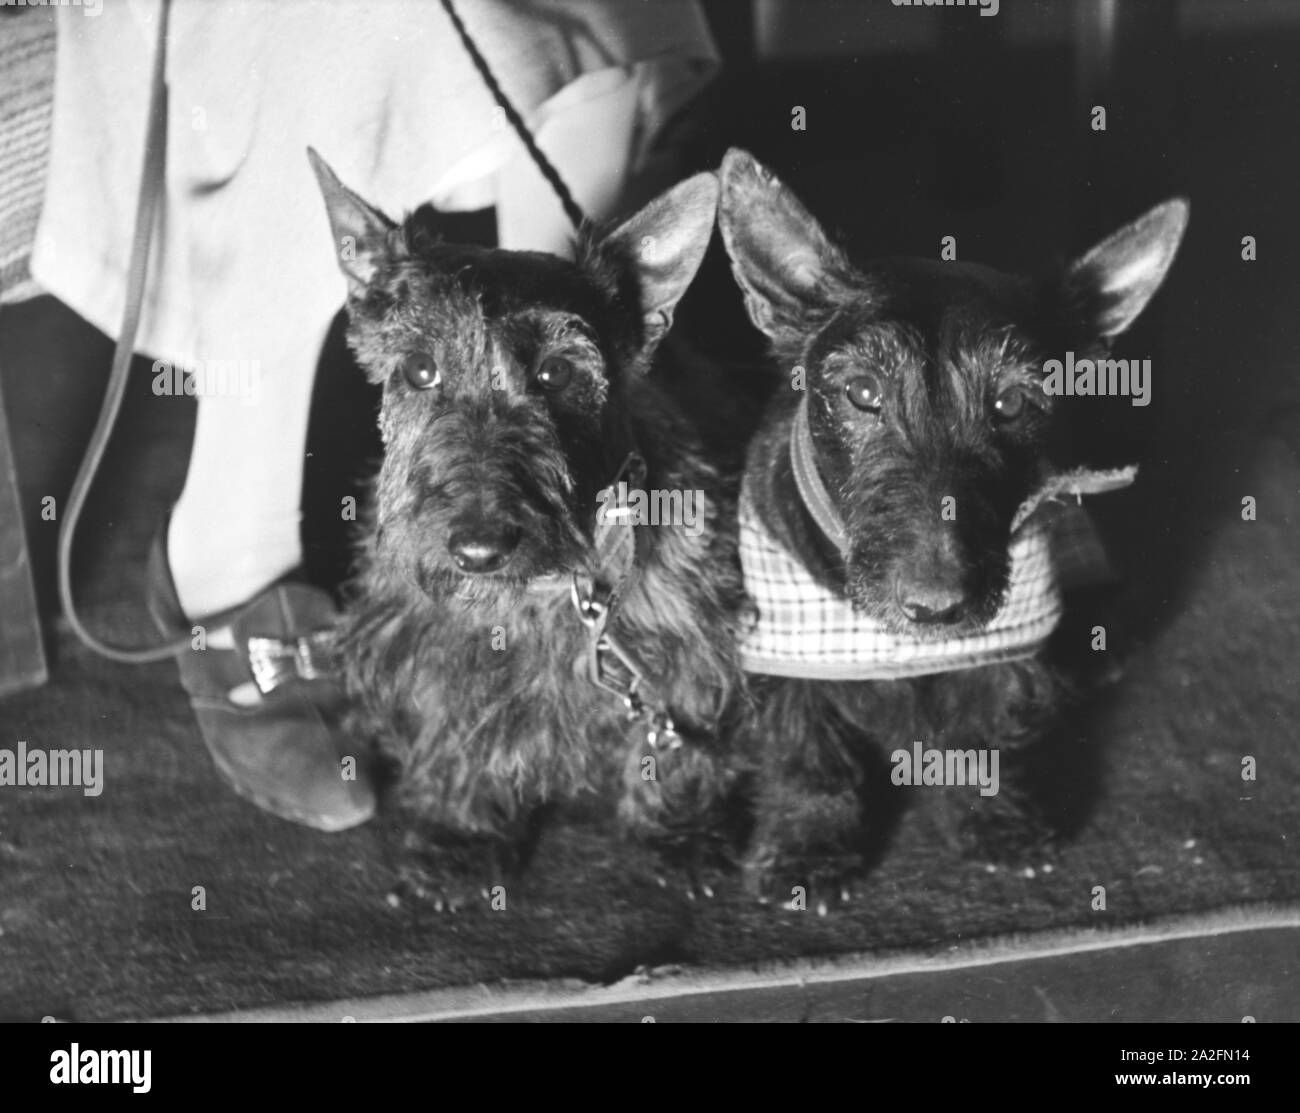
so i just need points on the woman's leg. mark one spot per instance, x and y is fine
(235, 528)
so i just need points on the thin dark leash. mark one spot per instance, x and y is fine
(571, 208)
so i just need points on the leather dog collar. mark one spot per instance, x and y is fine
(816, 499)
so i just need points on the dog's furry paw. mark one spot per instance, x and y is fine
(829, 890)
(811, 853)
(1006, 835)
(699, 871)
(693, 817)
(450, 876)
(802, 884)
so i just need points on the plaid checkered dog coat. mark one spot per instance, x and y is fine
(803, 629)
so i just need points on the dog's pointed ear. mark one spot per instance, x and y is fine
(361, 232)
(664, 244)
(786, 266)
(1112, 283)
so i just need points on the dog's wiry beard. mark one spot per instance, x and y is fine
(445, 480)
(890, 517)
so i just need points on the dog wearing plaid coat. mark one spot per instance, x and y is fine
(895, 531)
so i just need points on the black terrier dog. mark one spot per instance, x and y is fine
(894, 532)
(527, 627)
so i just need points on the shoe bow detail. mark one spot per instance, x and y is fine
(275, 661)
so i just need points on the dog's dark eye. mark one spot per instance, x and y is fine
(554, 373)
(418, 370)
(1010, 404)
(864, 392)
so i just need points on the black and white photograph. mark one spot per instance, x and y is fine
(650, 511)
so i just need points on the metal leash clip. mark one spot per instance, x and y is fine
(615, 670)
(662, 732)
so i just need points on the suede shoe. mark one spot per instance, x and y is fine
(281, 747)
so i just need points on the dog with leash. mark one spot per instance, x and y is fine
(897, 521)
(524, 631)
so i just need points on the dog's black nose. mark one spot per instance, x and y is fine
(932, 604)
(483, 549)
